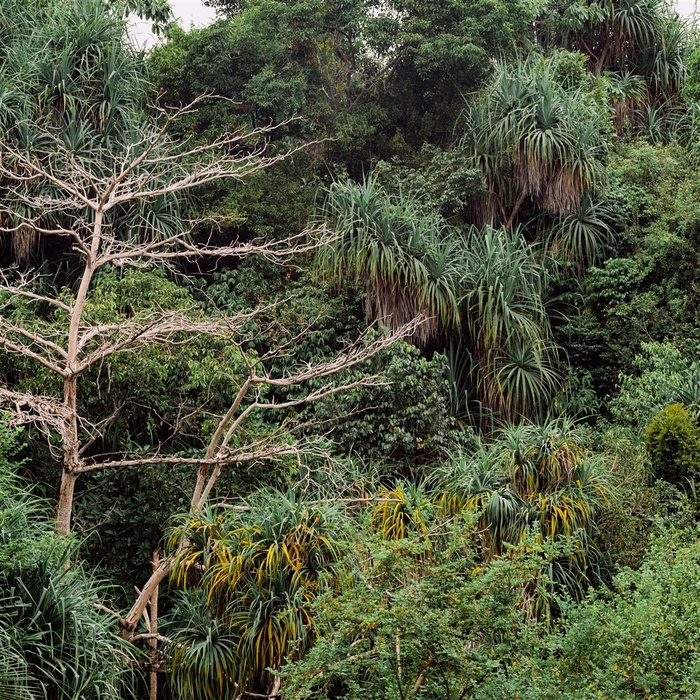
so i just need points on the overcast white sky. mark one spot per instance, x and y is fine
(194, 12)
(187, 12)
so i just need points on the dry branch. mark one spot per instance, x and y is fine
(85, 199)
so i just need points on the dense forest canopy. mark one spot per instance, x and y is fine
(350, 349)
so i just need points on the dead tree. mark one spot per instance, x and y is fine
(81, 198)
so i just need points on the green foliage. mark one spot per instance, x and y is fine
(471, 580)
(402, 511)
(610, 325)
(69, 647)
(404, 418)
(144, 399)
(490, 282)
(582, 237)
(278, 61)
(535, 140)
(641, 640)
(441, 181)
(422, 618)
(122, 516)
(56, 642)
(447, 49)
(73, 88)
(643, 293)
(644, 37)
(204, 663)
(537, 481)
(453, 628)
(691, 86)
(362, 72)
(157, 11)
(259, 572)
(22, 516)
(170, 377)
(664, 373)
(673, 441)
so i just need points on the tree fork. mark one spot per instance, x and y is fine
(145, 596)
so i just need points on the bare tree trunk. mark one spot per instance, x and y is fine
(159, 574)
(65, 502)
(71, 443)
(153, 643)
(71, 436)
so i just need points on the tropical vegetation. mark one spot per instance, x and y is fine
(349, 350)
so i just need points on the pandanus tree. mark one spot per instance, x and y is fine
(535, 141)
(627, 92)
(644, 37)
(403, 257)
(506, 325)
(257, 572)
(534, 478)
(488, 286)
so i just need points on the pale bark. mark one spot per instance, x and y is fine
(64, 508)
(83, 199)
(131, 620)
(153, 642)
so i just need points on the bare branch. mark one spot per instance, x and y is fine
(32, 408)
(26, 351)
(38, 171)
(358, 352)
(35, 338)
(23, 288)
(154, 329)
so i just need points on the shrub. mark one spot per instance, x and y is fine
(673, 442)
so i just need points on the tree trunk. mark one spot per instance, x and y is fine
(153, 643)
(65, 502)
(71, 446)
(71, 436)
(130, 622)
(515, 210)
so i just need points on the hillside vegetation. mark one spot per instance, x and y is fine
(350, 350)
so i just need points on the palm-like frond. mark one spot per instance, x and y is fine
(68, 74)
(504, 286)
(506, 322)
(202, 659)
(478, 483)
(582, 237)
(626, 91)
(646, 38)
(534, 139)
(402, 510)
(533, 478)
(404, 258)
(459, 368)
(522, 379)
(69, 648)
(258, 571)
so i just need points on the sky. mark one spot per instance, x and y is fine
(194, 12)
(187, 12)
(686, 7)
